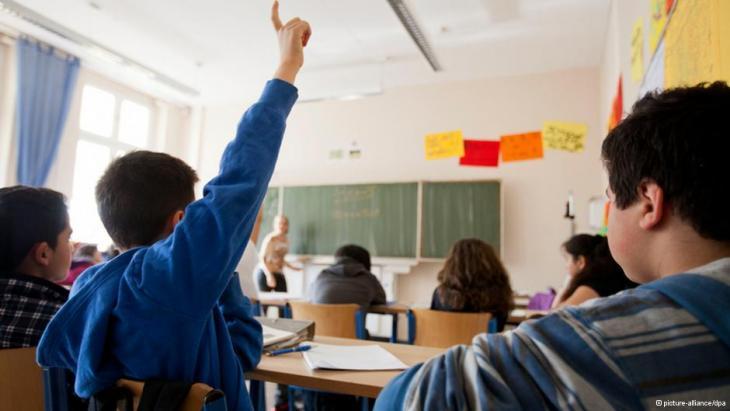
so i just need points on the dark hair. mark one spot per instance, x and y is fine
(585, 245)
(474, 277)
(600, 267)
(355, 252)
(139, 192)
(86, 250)
(679, 139)
(28, 216)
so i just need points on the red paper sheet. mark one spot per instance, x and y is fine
(480, 153)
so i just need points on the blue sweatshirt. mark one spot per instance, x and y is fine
(175, 310)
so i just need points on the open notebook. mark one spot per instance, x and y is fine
(351, 357)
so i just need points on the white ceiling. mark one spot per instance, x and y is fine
(227, 48)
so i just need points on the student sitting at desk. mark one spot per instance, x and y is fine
(169, 307)
(348, 280)
(592, 271)
(474, 280)
(35, 251)
(665, 341)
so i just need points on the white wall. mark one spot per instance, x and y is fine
(389, 129)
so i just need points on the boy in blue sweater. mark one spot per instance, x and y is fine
(169, 307)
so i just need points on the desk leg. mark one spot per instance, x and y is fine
(258, 395)
(394, 329)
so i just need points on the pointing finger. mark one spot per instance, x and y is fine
(275, 20)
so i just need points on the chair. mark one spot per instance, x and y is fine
(333, 320)
(201, 397)
(21, 380)
(444, 329)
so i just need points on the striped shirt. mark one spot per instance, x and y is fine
(639, 349)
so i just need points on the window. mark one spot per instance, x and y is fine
(110, 125)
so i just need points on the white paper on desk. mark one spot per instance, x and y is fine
(351, 357)
(519, 312)
(274, 335)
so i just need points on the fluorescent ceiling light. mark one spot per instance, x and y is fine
(414, 30)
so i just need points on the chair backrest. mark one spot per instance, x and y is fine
(333, 320)
(444, 329)
(21, 380)
(201, 397)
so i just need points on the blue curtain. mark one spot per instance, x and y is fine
(46, 82)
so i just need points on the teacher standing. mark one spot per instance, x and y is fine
(270, 276)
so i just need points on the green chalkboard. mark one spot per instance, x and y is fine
(379, 217)
(456, 210)
(270, 208)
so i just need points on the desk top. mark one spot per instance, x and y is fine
(290, 369)
(519, 315)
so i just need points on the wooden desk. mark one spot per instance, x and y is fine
(290, 369)
(518, 315)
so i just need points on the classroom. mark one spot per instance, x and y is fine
(333, 205)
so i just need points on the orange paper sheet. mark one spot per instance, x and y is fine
(518, 147)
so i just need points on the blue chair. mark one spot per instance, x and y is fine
(55, 393)
(201, 397)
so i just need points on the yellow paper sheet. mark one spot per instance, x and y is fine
(560, 135)
(657, 20)
(637, 51)
(444, 145)
(697, 43)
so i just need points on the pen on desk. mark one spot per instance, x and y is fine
(288, 350)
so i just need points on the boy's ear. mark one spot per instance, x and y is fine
(651, 198)
(172, 221)
(177, 217)
(42, 254)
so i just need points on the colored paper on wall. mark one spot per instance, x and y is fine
(637, 50)
(617, 106)
(657, 21)
(480, 153)
(518, 147)
(560, 135)
(697, 43)
(444, 145)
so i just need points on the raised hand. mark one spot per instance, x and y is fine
(293, 37)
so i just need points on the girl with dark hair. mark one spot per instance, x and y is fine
(592, 271)
(474, 280)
